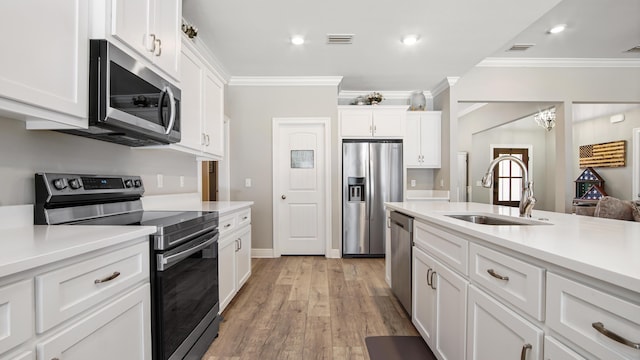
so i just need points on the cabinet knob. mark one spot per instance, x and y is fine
(283, 197)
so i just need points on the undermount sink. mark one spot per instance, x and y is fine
(491, 219)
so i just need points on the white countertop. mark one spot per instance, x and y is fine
(605, 249)
(27, 247)
(191, 202)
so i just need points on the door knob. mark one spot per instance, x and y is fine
(283, 197)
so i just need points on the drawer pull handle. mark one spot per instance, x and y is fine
(245, 218)
(613, 336)
(227, 225)
(108, 278)
(523, 353)
(497, 276)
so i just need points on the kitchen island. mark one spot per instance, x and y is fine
(561, 286)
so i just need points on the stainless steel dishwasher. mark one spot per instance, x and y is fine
(401, 244)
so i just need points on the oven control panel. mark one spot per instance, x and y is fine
(51, 184)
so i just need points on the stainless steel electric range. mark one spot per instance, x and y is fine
(184, 260)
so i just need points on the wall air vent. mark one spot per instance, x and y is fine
(340, 39)
(635, 49)
(520, 47)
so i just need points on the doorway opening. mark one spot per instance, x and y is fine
(210, 181)
(508, 177)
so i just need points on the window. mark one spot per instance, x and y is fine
(508, 177)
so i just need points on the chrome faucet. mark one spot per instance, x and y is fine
(527, 201)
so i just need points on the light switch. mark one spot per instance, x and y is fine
(478, 183)
(413, 183)
(160, 181)
(181, 181)
(247, 182)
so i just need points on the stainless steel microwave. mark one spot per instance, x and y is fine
(129, 103)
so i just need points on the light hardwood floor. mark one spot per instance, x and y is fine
(306, 307)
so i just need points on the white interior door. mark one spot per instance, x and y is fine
(300, 186)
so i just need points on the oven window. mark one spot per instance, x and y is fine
(185, 293)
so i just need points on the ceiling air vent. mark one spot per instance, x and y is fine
(339, 38)
(635, 49)
(520, 47)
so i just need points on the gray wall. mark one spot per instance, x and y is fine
(600, 130)
(425, 179)
(251, 110)
(25, 152)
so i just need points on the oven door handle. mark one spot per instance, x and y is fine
(165, 262)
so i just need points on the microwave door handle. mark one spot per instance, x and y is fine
(163, 93)
(172, 117)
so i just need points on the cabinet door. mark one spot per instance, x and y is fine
(411, 145)
(192, 75)
(451, 306)
(430, 139)
(243, 256)
(388, 123)
(45, 59)
(424, 296)
(167, 30)
(356, 123)
(226, 269)
(120, 330)
(132, 23)
(213, 115)
(16, 314)
(497, 333)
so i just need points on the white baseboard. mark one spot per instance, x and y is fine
(262, 253)
(334, 254)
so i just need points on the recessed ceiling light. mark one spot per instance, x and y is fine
(297, 40)
(557, 29)
(410, 39)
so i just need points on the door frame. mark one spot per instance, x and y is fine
(529, 148)
(326, 123)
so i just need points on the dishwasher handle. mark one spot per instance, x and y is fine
(401, 220)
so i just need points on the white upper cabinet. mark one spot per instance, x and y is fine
(44, 62)
(372, 121)
(151, 28)
(423, 140)
(213, 116)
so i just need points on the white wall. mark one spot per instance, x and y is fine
(562, 86)
(600, 130)
(251, 109)
(25, 152)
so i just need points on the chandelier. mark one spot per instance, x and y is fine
(546, 119)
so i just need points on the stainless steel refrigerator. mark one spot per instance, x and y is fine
(371, 176)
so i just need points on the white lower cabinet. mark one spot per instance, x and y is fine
(555, 350)
(234, 254)
(497, 333)
(94, 307)
(439, 310)
(100, 336)
(603, 324)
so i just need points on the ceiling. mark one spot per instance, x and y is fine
(252, 38)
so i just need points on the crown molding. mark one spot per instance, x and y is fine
(285, 80)
(198, 45)
(559, 62)
(471, 108)
(448, 82)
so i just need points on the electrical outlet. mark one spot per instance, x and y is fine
(413, 183)
(479, 183)
(441, 182)
(181, 181)
(247, 182)
(160, 181)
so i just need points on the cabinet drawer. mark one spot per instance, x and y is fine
(554, 350)
(16, 314)
(22, 355)
(449, 248)
(65, 292)
(227, 223)
(244, 217)
(514, 281)
(576, 310)
(119, 330)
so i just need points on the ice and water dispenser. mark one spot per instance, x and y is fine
(356, 189)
